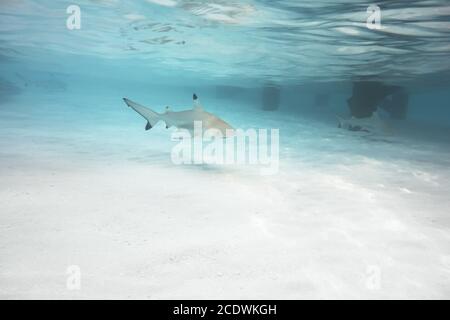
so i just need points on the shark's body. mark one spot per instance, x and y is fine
(182, 119)
(372, 124)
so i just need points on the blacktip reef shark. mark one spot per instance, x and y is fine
(373, 124)
(182, 119)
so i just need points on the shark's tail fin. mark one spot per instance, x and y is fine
(151, 116)
(340, 121)
(375, 115)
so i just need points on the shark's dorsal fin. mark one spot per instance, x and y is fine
(197, 105)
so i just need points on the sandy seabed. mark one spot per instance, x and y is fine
(346, 216)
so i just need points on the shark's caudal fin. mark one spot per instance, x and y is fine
(151, 116)
(376, 115)
(340, 121)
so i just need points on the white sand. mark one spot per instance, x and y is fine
(346, 217)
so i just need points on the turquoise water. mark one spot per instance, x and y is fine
(229, 42)
(348, 214)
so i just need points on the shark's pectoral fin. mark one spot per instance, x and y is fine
(148, 126)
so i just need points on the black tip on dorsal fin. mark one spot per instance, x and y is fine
(194, 97)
